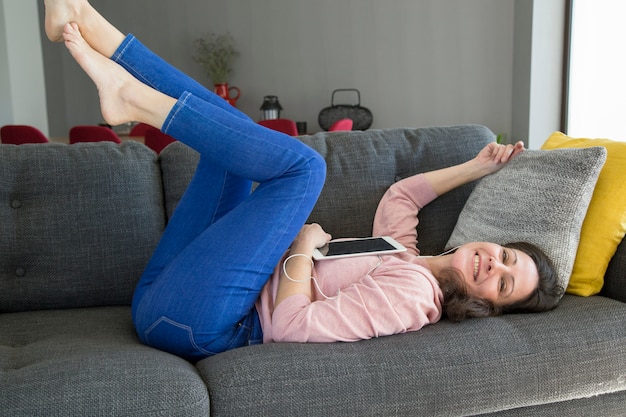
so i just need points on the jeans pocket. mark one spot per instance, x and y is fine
(174, 337)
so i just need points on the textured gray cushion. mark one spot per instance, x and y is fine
(540, 197)
(468, 368)
(89, 362)
(80, 223)
(360, 168)
(604, 405)
(178, 164)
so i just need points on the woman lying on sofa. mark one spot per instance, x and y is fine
(234, 268)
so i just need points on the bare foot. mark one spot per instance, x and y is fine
(59, 13)
(111, 80)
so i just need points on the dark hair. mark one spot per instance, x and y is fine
(548, 292)
(458, 305)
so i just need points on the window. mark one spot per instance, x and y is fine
(596, 99)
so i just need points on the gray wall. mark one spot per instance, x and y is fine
(6, 110)
(22, 89)
(415, 62)
(538, 69)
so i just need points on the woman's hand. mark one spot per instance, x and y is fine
(310, 237)
(298, 266)
(494, 156)
(489, 160)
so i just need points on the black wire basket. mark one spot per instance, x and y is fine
(361, 116)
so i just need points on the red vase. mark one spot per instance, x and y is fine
(224, 91)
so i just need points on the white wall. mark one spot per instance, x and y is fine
(22, 87)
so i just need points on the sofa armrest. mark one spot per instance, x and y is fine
(615, 277)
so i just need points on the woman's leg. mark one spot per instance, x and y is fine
(126, 50)
(99, 33)
(201, 299)
(104, 38)
(152, 70)
(205, 292)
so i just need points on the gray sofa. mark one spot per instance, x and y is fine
(79, 222)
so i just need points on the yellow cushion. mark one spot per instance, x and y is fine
(605, 223)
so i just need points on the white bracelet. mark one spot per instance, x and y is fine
(305, 279)
(285, 268)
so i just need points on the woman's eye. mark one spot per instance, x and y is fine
(502, 285)
(505, 256)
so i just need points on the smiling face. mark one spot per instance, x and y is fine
(500, 275)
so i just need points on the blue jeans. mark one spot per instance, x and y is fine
(196, 297)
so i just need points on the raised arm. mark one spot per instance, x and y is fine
(489, 160)
(397, 211)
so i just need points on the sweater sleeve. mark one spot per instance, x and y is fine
(372, 307)
(397, 211)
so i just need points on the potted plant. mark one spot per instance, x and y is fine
(215, 53)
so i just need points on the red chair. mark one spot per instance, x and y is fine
(19, 134)
(157, 140)
(140, 129)
(342, 124)
(93, 134)
(282, 125)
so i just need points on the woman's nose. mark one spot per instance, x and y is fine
(494, 265)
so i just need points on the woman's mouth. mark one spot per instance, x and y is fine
(476, 265)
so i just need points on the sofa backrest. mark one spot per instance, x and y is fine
(77, 223)
(361, 165)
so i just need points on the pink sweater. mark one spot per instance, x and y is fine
(372, 296)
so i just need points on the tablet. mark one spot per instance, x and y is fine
(358, 247)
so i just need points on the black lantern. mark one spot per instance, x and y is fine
(270, 109)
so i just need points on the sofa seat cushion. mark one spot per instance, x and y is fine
(78, 221)
(476, 366)
(87, 362)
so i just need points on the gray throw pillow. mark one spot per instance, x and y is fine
(540, 197)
